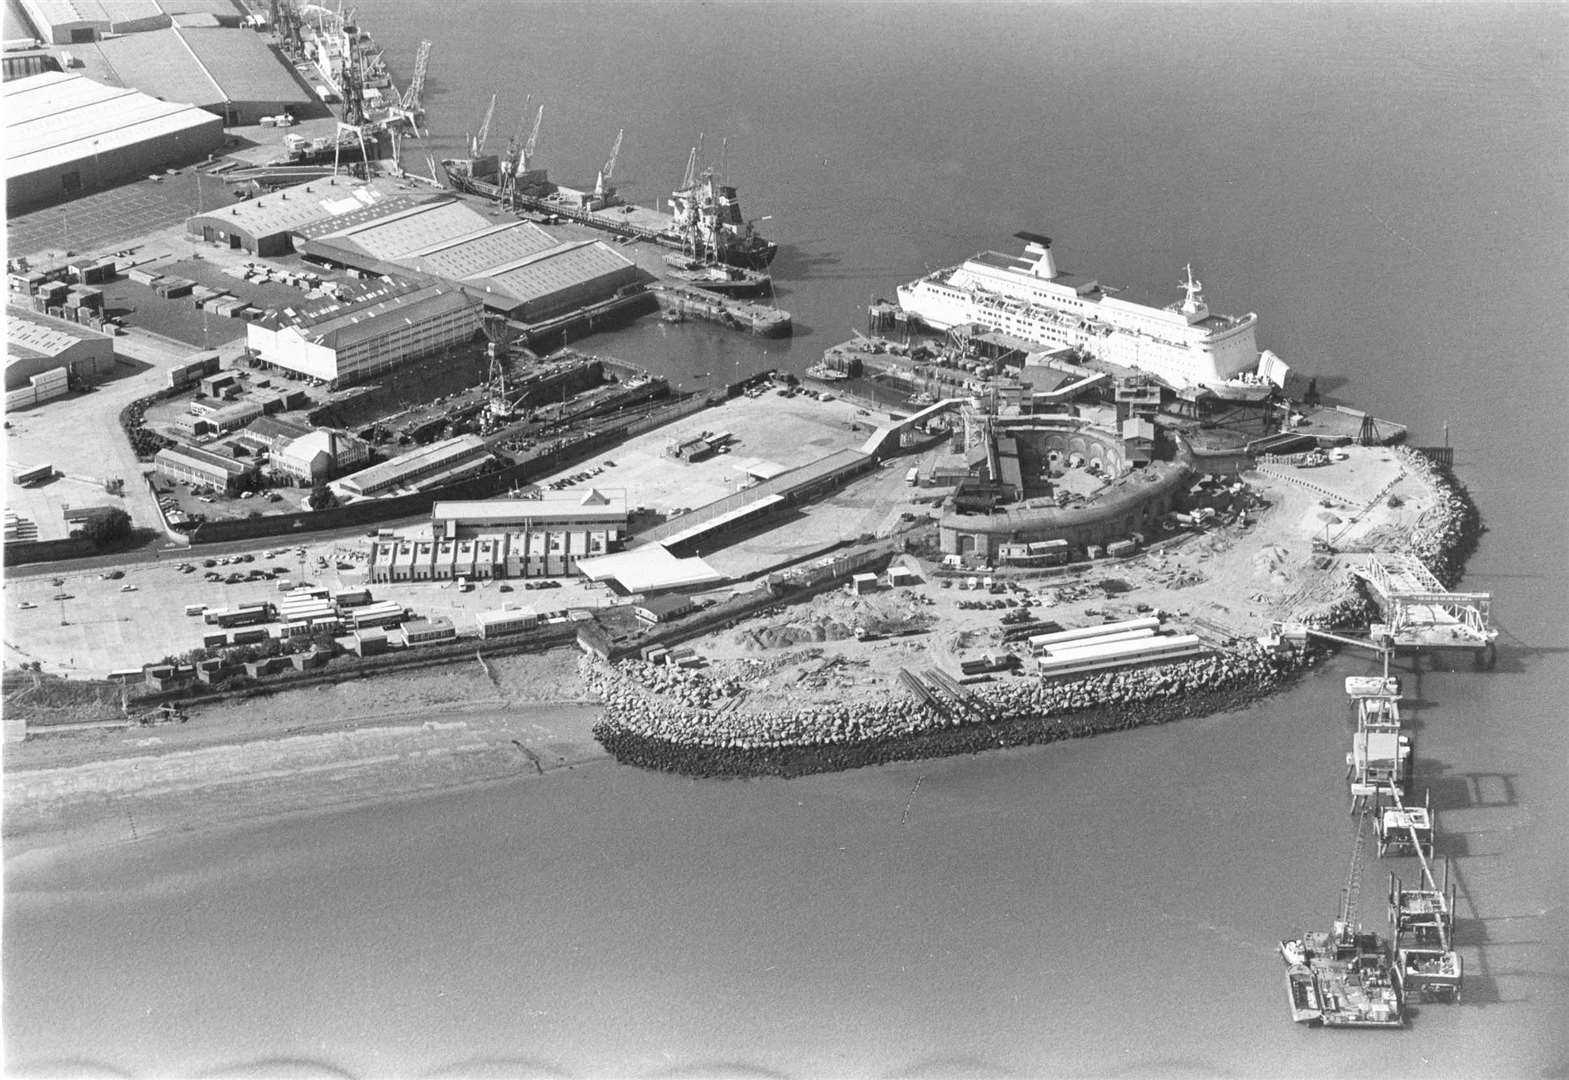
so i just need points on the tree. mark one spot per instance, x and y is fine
(109, 527)
(322, 498)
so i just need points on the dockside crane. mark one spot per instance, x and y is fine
(533, 139)
(477, 143)
(412, 101)
(602, 188)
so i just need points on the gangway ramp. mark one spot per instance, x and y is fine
(875, 443)
(1419, 613)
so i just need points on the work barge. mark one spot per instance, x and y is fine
(1352, 977)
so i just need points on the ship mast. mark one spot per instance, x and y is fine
(1193, 304)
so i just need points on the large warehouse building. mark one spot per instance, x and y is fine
(269, 226)
(65, 135)
(74, 22)
(233, 73)
(515, 268)
(343, 343)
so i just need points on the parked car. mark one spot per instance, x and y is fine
(127, 588)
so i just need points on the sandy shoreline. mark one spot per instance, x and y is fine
(297, 752)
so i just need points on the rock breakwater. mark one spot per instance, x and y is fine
(1446, 535)
(688, 724)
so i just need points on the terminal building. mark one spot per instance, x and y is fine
(340, 343)
(66, 135)
(595, 510)
(502, 538)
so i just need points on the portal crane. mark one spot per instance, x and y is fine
(412, 97)
(477, 146)
(602, 184)
(533, 139)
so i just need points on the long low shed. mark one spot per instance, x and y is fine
(1079, 644)
(1119, 653)
(1148, 622)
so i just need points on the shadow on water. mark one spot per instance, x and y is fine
(75, 1068)
(796, 262)
(720, 1069)
(290, 1067)
(1468, 790)
(958, 1066)
(502, 1068)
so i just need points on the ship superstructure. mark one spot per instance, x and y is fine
(1184, 344)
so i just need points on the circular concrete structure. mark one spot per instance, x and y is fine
(1132, 503)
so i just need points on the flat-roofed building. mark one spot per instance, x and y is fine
(233, 73)
(341, 344)
(198, 466)
(594, 510)
(66, 135)
(427, 631)
(493, 624)
(437, 463)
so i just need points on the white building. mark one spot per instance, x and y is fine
(342, 343)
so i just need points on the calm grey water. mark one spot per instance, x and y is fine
(1386, 186)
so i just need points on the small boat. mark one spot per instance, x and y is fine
(824, 373)
(1293, 952)
(1302, 996)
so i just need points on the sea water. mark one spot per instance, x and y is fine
(1385, 186)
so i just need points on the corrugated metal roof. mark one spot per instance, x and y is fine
(552, 271)
(53, 119)
(358, 324)
(46, 337)
(378, 476)
(291, 209)
(393, 235)
(202, 66)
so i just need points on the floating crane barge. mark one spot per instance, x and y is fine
(1349, 977)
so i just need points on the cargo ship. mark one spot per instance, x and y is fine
(1341, 978)
(705, 222)
(1184, 345)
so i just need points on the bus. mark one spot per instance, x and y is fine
(38, 474)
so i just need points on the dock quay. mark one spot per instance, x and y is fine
(680, 302)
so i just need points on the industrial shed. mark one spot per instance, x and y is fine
(515, 268)
(72, 22)
(551, 282)
(231, 72)
(37, 343)
(66, 134)
(267, 226)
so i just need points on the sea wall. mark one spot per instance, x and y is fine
(1446, 536)
(681, 721)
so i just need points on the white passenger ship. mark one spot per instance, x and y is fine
(1183, 345)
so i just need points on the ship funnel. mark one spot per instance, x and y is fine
(1038, 247)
